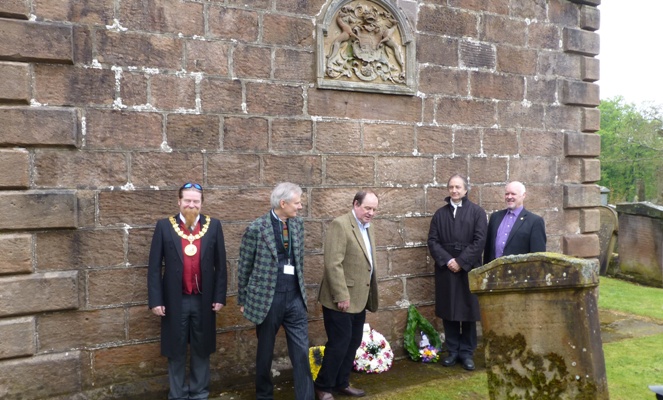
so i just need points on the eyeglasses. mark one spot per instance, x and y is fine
(190, 185)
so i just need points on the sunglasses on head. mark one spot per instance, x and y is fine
(190, 185)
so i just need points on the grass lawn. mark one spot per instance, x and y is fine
(631, 364)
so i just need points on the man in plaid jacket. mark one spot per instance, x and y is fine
(271, 288)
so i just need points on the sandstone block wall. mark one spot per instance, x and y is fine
(108, 106)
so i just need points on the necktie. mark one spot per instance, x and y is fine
(286, 238)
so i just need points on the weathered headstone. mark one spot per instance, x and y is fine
(609, 227)
(640, 239)
(541, 329)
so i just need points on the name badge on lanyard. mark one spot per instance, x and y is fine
(288, 268)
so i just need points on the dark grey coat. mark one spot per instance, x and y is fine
(462, 238)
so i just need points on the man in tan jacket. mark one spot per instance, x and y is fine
(348, 289)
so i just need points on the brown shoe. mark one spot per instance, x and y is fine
(320, 395)
(350, 391)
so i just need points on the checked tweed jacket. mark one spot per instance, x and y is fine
(258, 266)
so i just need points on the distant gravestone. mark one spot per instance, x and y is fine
(609, 228)
(541, 330)
(641, 242)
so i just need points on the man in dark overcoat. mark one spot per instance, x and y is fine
(514, 230)
(456, 240)
(186, 284)
(271, 288)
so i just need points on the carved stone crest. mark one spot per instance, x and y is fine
(366, 46)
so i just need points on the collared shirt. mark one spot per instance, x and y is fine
(456, 205)
(363, 228)
(194, 223)
(504, 230)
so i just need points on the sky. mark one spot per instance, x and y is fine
(631, 51)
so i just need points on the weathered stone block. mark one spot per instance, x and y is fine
(578, 196)
(36, 41)
(18, 162)
(16, 253)
(250, 134)
(590, 220)
(541, 143)
(233, 169)
(291, 136)
(115, 130)
(38, 126)
(271, 99)
(437, 50)
(79, 169)
(499, 28)
(582, 144)
(133, 48)
(579, 93)
(494, 86)
(172, 92)
(294, 65)
(126, 363)
(208, 56)
(234, 23)
(221, 95)
(590, 69)
(251, 62)
(580, 42)
(142, 324)
(590, 18)
(387, 138)
(338, 137)
(15, 84)
(79, 249)
(164, 169)
(584, 245)
(517, 114)
(285, 30)
(543, 35)
(350, 170)
(446, 21)
(420, 289)
(41, 376)
(18, 337)
(80, 329)
(116, 286)
(305, 170)
(434, 139)
(516, 60)
(640, 236)
(97, 12)
(477, 55)
(541, 309)
(591, 119)
(391, 292)
(15, 9)
(162, 16)
(466, 112)
(434, 79)
(487, 170)
(193, 132)
(38, 209)
(136, 207)
(410, 261)
(349, 105)
(407, 171)
(34, 293)
(591, 170)
(66, 85)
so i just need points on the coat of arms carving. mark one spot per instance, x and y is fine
(366, 46)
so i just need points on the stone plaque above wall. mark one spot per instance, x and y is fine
(366, 46)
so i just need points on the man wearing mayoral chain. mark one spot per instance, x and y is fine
(186, 283)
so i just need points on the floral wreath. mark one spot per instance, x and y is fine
(374, 355)
(315, 355)
(431, 343)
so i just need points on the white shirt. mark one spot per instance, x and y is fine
(364, 234)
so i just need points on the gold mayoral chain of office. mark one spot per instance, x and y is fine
(190, 249)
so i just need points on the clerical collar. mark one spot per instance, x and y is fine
(184, 221)
(459, 204)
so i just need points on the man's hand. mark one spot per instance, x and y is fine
(343, 305)
(159, 310)
(453, 265)
(217, 306)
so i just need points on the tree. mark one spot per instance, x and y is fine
(631, 150)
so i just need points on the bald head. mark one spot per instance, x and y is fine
(514, 195)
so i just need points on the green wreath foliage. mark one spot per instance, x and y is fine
(414, 320)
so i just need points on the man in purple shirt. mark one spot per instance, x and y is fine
(514, 230)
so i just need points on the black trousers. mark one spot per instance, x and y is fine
(460, 338)
(344, 334)
(199, 370)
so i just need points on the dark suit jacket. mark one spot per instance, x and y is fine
(164, 280)
(528, 235)
(258, 266)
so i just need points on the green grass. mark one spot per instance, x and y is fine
(630, 298)
(631, 365)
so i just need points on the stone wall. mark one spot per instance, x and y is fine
(108, 106)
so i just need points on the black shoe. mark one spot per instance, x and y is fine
(468, 364)
(449, 361)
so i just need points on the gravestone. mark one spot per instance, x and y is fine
(609, 228)
(542, 337)
(641, 236)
